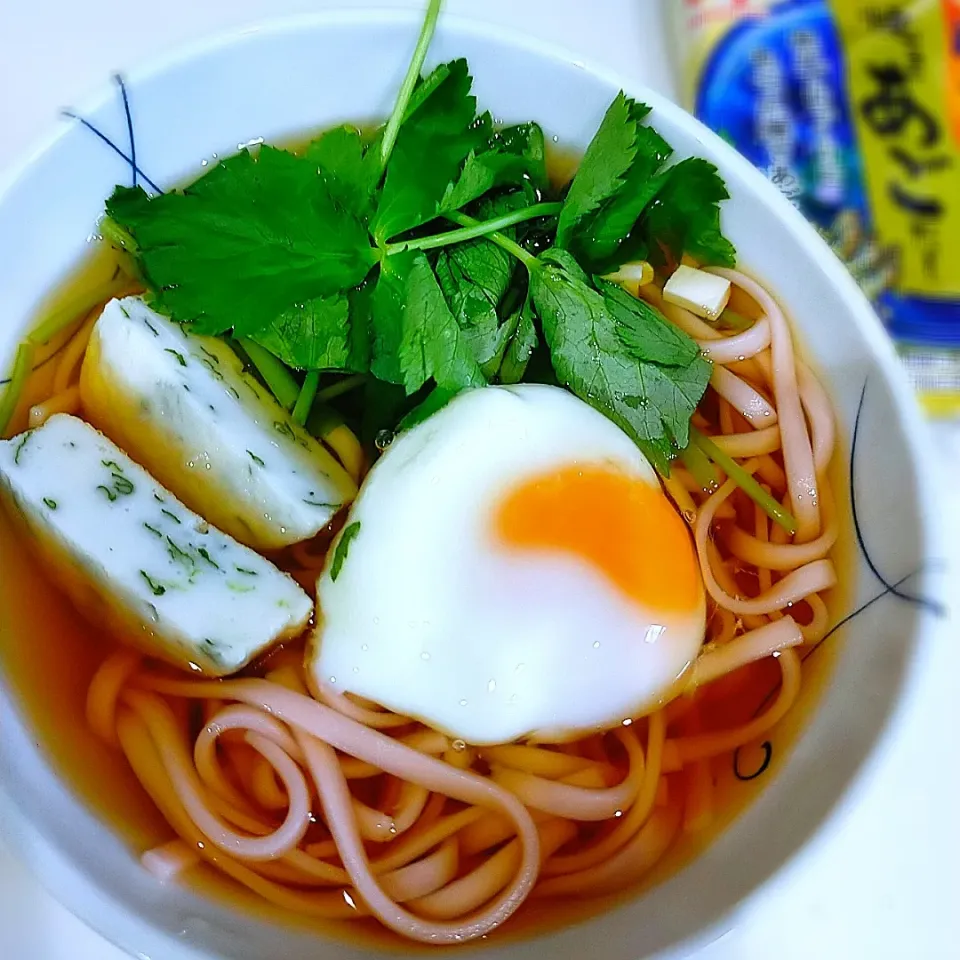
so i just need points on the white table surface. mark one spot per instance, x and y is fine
(884, 880)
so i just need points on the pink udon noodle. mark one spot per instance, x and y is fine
(328, 806)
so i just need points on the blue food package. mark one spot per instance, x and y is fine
(852, 108)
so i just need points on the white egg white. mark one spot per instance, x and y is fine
(433, 618)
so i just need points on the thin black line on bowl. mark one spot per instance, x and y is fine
(133, 140)
(136, 170)
(889, 589)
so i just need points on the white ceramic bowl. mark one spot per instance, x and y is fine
(311, 73)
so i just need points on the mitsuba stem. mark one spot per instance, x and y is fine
(745, 481)
(308, 391)
(392, 129)
(22, 365)
(342, 386)
(501, 240)
(473, 229)
(275, 374)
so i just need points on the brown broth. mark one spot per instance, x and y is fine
(48, 656)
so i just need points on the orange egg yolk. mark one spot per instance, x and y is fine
(623, 526)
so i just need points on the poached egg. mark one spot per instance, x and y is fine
(511, 569)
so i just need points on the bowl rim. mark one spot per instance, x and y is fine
(16, 825)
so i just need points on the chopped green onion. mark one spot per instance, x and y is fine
(308, 391)
(22, 365)
(342, 386)
(744, 481)
(276, 376)
(700, 467)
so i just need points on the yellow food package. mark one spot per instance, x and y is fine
(852, 108)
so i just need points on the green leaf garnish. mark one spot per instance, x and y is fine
(308, 393)
(646, 333)
(731, 320)
(474, 278)
(410, 81)
(507, 158)
(417, 335)
(700, 467)
(745, 480)
(317, 335)
(343, 546)
(243, 243)
(347, 167)
(605, 165)
(686, 216)
(622, 205)
(274, 373)
(604, 232)
(430, 149)
(652, 403)
(527, 141)
(523, 341)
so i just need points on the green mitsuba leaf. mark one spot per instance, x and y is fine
(387, 305)
(245, 242)
(604, 167)
(279, 248)
(685, 216)
(474, 278)
(522, 343)
(432, 144)
(527, 141)
(603, 232)
(644, 331)
(416, 336)
(623, 205)
(509, 157)
(347, 167)
(652, 403)
(318, 334)
(432, 343)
